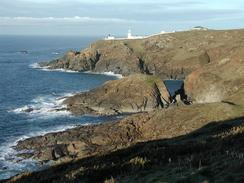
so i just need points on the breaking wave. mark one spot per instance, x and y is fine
(47, 68)
(109, 73)
(11, 164)
(45, 106)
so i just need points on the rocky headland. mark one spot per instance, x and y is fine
(135, 93)
(173, 55)
(162, 142)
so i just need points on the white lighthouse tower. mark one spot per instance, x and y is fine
(129, 36)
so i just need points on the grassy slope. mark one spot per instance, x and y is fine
(194, 144)
(213, 152)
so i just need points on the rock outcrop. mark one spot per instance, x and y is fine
(217, 81)
(212, 153)
(136, 93)
(76, 61)
(100, 139)
(213, 64)
(170, 56)
(211, 60)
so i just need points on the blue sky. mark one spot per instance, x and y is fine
(101, 17)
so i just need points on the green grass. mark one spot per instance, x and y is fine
(151, 80)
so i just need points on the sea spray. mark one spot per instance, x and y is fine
(45, 106)
(109, 73)
(47, 68)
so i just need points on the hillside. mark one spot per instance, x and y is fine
(211, 153)
(172, 55)
(201, 142)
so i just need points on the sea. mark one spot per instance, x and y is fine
(30, 96)
(24, 86)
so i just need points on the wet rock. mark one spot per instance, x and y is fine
(59, 151)
(180, 97)
(25, 155)
(28, 110)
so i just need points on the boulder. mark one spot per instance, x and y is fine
(217, 81)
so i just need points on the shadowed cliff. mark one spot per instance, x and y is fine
(196, 143)
(213, 152)
(172, 55)
(211, 61)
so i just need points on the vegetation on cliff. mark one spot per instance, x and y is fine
(136, 93)
(211, 153)
(197, 143)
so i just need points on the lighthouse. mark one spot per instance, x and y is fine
(129, 36)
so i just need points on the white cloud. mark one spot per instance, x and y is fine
(59, 20)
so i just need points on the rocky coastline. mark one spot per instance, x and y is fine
(211, 63)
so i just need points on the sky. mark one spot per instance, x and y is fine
(103, 17)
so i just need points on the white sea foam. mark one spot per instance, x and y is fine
(9, 160)
(8, 153)
(47, 68)
(55, 53)
(7, 150)
(35, 66)
(109, 73)
(45, 106)
(62, 70)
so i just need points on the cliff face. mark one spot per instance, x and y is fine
(101, 139)
(136, 93)
(172, 55)
(219, 80)
(211, 61)
(167, 141)
(187, 140)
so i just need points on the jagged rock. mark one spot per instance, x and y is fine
(170, 56)
(214, 65)
(136, 93)
(204, 58)
(59, 151)
(76, 61)
(180, 97)
(28, 110)
(91, 140)
(219, 80)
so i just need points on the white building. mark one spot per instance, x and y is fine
(129, 35)
(200, 28)
(109, 37)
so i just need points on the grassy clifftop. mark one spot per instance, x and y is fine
(173, 55)
(202, 142)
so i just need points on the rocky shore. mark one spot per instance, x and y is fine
(104, 138)
(136, 93)
(173, 55)
(162, 140)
